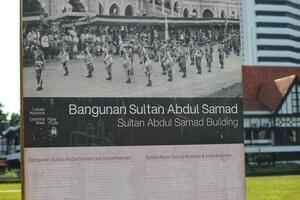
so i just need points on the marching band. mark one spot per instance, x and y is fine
(183, 52)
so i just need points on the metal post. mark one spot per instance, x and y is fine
(166, 27)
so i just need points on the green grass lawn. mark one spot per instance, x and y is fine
(10, 195)
(273, 188)
(258, 188)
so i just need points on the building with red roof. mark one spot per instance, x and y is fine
(272, 112)
(271, 78)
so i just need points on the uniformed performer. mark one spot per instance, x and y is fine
(127, 64)
(227, 49)
(169, 62)
(192, 50)
(237, 45)
(141, 50)
(122, 48)
(64, 58)
(88, 60)
(162, 57)
(211, 49)
(131, 52)
(221, 55)
(198, 57)
(182, 59)
(147, 65)
(208, 56)
(143, 42)
(39, 63)
(156, 48)
(108, 60)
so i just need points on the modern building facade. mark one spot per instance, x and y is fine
(271, 32)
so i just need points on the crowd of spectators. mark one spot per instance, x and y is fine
(75, 39)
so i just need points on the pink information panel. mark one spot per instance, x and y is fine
(153, 172)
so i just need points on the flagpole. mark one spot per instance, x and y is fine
(166, 28)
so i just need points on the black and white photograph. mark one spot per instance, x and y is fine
(131, 48)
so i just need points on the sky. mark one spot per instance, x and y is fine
(9, 56)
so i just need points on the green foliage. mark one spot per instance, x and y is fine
(277, 169)
(273, 188)
(9, 174)
(14, 118)
(3, 116)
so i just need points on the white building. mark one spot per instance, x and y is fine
(271, 32)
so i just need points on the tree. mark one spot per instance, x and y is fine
(14, 118)
(3, 116)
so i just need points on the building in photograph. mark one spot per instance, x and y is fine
(271, 71)
(139, 27)
(173, 8)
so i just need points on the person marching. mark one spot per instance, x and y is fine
(227, 49)
(131, 58)
(156, 48)
(192, 50)
(108, 60)
(169, 62)
(162, 56)
(237, 45)
(64, 58)
(122, 48)
(131, 52)
(182, 59)
(147, 65)
(221, 55)
(211, 49)
(143, 43)
(198, 57)
(39, 63)
(88, 60)
(127, 64)
(208, 56)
